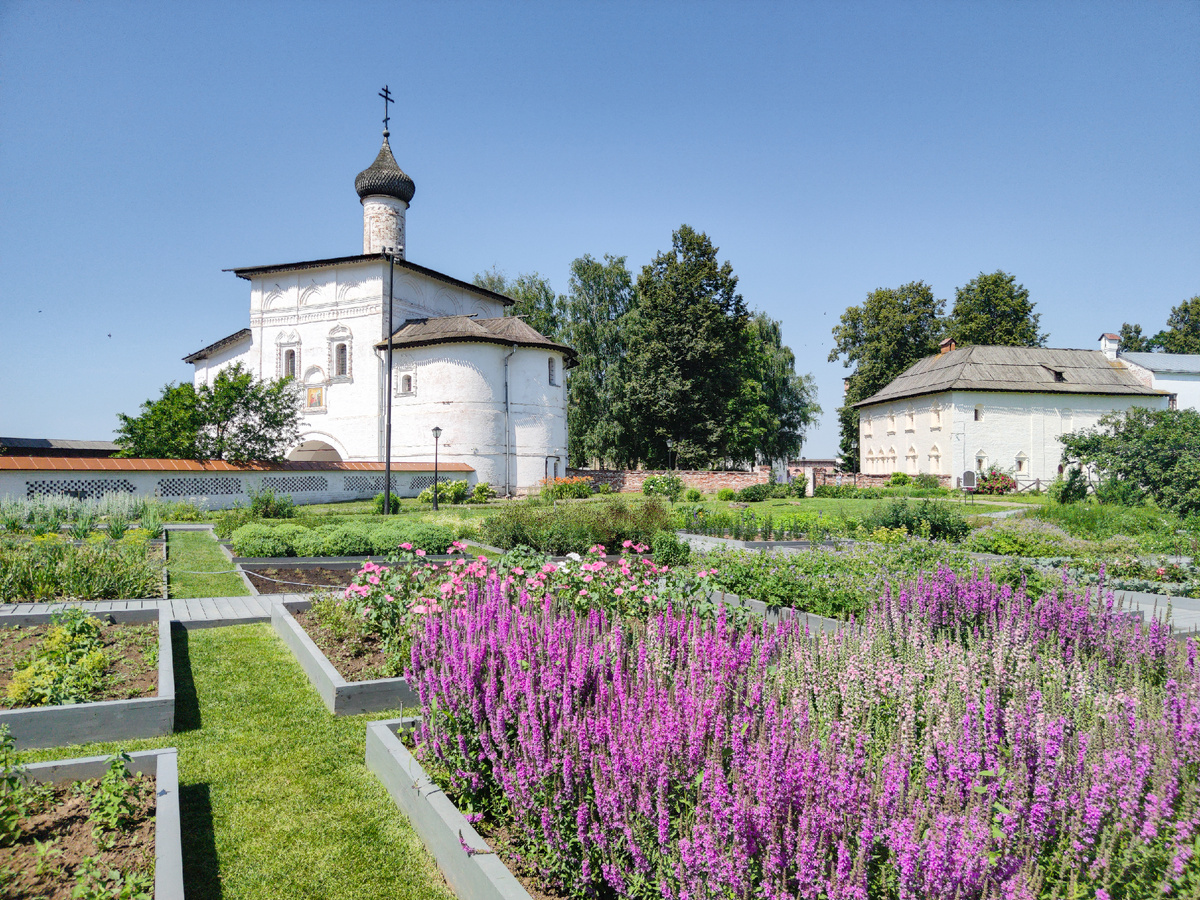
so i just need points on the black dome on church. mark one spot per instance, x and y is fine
(385, 177)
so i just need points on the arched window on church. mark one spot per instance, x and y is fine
(406, 384)
(289, 363)
(553, 379)
(341, 362)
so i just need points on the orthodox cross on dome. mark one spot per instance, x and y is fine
(387, 98)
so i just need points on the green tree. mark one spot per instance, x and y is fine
(1132, 339)
(994, 310)
(891, 330)
(237, 418)
(167, 428)
(1182, 334)
(535, 300)
(599, 295)
(1156, 452)
(774, 405)
(685, 340)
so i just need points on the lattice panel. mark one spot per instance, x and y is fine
(420, 482)
(80, 488)
(189, 487)
(360, 483)
(296, 484)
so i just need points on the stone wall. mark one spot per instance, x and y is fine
(859, 479)
(630, 481)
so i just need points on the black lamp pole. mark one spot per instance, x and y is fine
(437, 433)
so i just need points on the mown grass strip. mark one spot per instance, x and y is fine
(190, 552)
(276, 800)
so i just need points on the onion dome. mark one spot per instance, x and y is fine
(385, 177)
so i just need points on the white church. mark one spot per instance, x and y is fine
(494, 386)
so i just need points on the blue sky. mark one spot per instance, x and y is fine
(828, 149)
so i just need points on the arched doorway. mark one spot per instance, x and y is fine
(314, 451)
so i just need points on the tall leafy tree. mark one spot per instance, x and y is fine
(236, 417)
(1182, 334)
(887, 333)
(685, 340)
(1133, 340)
(599, 295)
(535, 300)
(167, 428)
(993, 309)
(774, 405)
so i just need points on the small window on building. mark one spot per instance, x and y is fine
(912, 460)
(891, 423)
(553, 378)
(979, 412)
(980, 463)
(289, 363)
(406, 384)
(1058, 376)
(1173, 401)
(935, 422)
(341, 363)
(1022, 464)
(910, 419)
(935, 460)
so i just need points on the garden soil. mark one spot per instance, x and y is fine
(297, 580)
(357, 659)
(129, 676)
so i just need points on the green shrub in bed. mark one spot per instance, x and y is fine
(429, 537)
(260, 539)
(348, 540)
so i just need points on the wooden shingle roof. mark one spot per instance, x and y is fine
(1025, 369)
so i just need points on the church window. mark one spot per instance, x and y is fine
(1022, 464)
(341, 354)
(891, 422)
(553, 379)
(406, 384)
(867, 431)
(936, 420)
(341, 365)
(979, 412)
(289, 363)
(935, 460)
(911, 457)
(980, 461)
(910, 419)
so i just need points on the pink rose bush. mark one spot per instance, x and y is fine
(962, 741)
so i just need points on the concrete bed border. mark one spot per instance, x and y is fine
(775, 614)
(341, 697)
(476, 873)
(101, 720)
(702, 542)
(164, 766)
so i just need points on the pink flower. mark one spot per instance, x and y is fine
(619, 591)
(420, 552)
(517, 570)
(406, 546)
(627, 544)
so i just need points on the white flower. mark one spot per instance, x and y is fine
(574, 557)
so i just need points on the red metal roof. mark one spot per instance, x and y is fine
(85, 464)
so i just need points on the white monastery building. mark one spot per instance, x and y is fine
(1178, 374)
(977, 407)
(494, 386)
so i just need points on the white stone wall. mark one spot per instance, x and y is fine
(460, 389)
(219, 489)
(1017, 432)
(1185, 387)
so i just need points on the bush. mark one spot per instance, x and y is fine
(847, 492)
(574, 528)
(429, 537)
(482, 493)
(726, 494)
(394, 506)
(1072, 489)
(927, 482)
(755, 493)
(448, 492)
(995, 481)
(227, 521)
(799, 486)
(928, 519)
(265, 504)
(347, 540)
(577, 488)
(668, 550)
(899, 479)
(669, 486)
(604, 488)
(260, 539)
(692, 495)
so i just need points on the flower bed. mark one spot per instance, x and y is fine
(965, 741)
(50, 568)
(284, 539)
(83, 682)
(91, 828)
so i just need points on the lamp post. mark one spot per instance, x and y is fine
(437, 433)
(670, 447)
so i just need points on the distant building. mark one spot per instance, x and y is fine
(13, 446)
(494, 386)
(977, 407)
(1178, 374)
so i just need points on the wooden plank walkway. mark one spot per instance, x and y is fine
(201, 612)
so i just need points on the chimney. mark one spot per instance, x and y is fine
(947, 345)
(1110, 343)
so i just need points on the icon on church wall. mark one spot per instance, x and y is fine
(316, 398)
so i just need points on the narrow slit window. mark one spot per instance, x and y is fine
(340, 362)
(289, 364)
(406, 384)
(552, 371)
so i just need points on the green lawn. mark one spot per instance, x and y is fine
(189, 552)
(276, 799)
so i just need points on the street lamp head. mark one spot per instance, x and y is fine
(437, 432)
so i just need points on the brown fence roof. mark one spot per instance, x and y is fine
(74, 464)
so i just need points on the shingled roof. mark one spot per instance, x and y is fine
(467, 329)
(1028, 369)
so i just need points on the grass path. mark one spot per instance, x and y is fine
(190, 552)
(276, 799)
